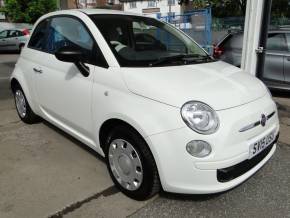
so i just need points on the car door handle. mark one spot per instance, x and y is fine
(37, 70)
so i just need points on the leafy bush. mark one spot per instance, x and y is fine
(27, 11)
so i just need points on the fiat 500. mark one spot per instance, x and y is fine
(148, 98)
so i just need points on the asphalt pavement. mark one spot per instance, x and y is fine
(46, 173)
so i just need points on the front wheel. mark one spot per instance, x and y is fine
(131, 164)
(23, 108)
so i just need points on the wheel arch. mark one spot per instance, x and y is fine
(109, 124)
(13, 84)
(17, 79)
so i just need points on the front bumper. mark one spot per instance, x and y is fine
(182, 173)
(233, 172)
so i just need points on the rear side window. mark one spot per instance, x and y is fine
(38, 38)
(277, 42)
(234, 41)
(19, 33)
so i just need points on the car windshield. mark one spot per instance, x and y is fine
(147, 42)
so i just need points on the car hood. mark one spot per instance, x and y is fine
(218, 84)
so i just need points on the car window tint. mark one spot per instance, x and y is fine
(19, 33)
(3, 34)
(276, 42)
(12, 33)
(149, 38)
(38, 38)
(67, 31)
(118, 35)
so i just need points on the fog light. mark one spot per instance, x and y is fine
(198, 148)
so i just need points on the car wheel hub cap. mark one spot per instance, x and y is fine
(125, 164)
(20, 103)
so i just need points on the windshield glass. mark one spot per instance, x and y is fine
(142, 41)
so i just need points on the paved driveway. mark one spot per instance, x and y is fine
(44, 172)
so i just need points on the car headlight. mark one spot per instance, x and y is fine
(200, 117)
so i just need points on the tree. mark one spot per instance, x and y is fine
(27, 11)
(221, 8)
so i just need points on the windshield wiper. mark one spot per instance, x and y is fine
(186, 58)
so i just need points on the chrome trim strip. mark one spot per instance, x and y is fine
(271, 115)
(252, 125)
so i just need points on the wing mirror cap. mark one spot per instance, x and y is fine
(69, 54)
(73, 55)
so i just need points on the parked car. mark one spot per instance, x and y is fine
(169, 116)
(276, 73)
(13, 39)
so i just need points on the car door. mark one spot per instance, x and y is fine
(64, 94)
(12, 40)
(230, 49)
(287, 61)
(3, 39)
(274, 60)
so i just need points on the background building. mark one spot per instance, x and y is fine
(70, 4)
(152, 7)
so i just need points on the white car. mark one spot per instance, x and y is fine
(13, 39)
(150, 100)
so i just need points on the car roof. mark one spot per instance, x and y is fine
(279, 31)
(241, 33)
(88, 12)
(270, 31)
(91, 11)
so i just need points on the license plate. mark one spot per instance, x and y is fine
(261, 144)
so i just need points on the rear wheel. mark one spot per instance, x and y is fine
(131, 164)
(21, 47)
(22, 106)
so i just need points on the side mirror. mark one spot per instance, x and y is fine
(73, 55)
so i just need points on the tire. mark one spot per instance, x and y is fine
(21, 47)
(23, 108)
(117, 159)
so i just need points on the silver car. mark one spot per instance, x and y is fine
(276, 73)
(13, 39)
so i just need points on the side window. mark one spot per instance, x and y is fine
(3, 34)
(19, 33)
(38, 37)
(277, 42)
(67, 31)
(12, 33)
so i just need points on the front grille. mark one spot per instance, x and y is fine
(230, 173)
